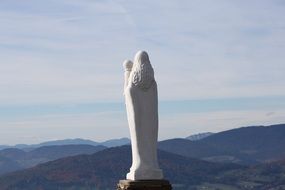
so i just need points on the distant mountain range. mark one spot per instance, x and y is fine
(264, 143)
(13, 159)
(199, 136)
(242, 158)
(78, 141)
(246, 145)
(26, 156)
(103, 169)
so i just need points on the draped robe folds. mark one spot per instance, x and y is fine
(142, 111)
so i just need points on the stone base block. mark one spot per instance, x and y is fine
(144, 185)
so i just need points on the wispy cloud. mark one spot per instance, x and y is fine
(235, 47)
(71, 52)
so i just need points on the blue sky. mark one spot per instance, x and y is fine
(218, 64)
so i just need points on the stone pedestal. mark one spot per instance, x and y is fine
(144, 185)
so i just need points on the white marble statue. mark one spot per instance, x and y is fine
(140, 90)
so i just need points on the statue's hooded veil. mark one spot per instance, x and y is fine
(143, 75)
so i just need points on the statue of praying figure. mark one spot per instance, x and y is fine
(140, 90)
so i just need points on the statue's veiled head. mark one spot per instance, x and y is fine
(143, 75)
(141, 57)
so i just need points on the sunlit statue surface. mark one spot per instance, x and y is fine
(140, 90)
